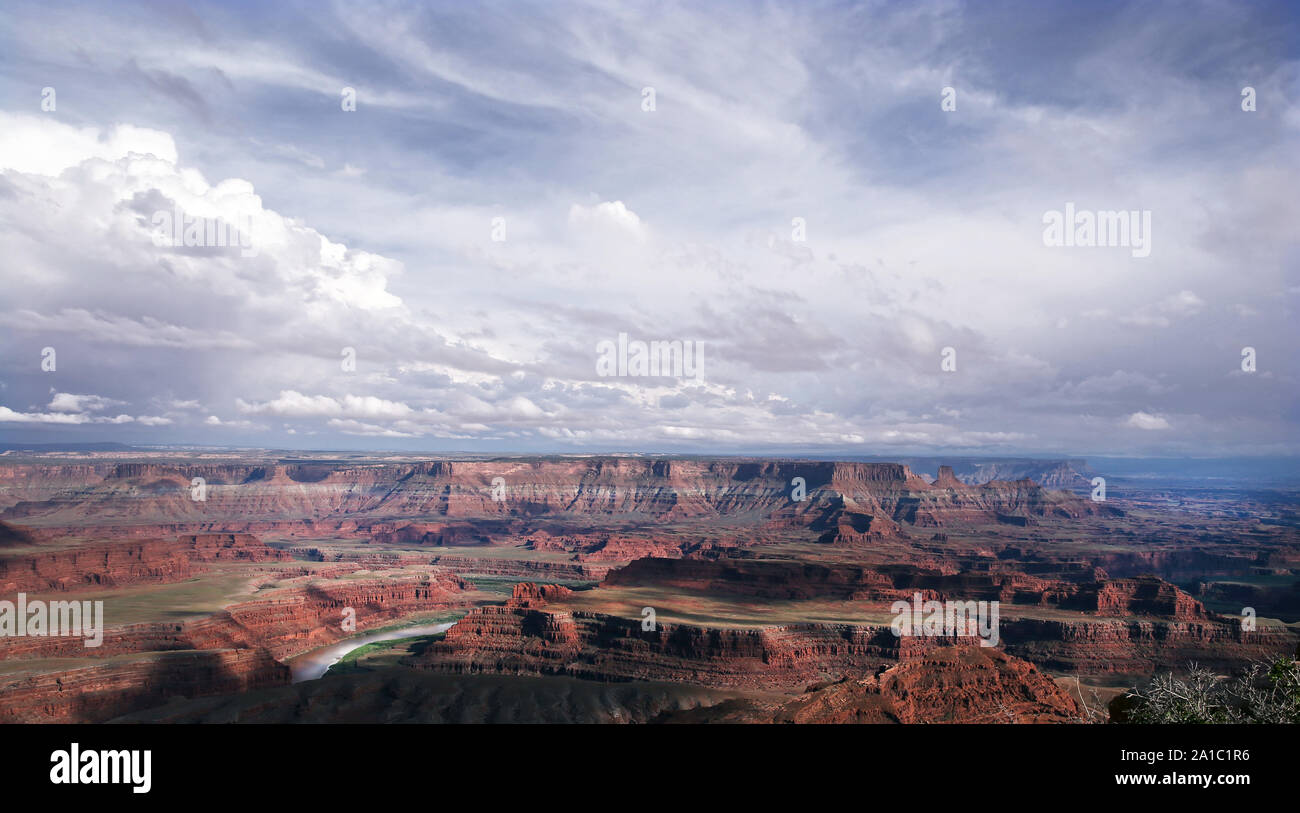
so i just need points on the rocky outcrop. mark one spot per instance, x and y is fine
(537, 595)
(791, 581)
(1175, 564)
(1132, 597)
(229, 548)
(599, 547)
(1140, 647)
(943, 685)
(302, 618)
(99, 564)
(117, 563)
(525, 636)
(430, 533)
(1275, 601)
(1132, 626)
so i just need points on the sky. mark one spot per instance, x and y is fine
(444, 216)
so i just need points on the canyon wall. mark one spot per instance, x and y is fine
(291, 498)
(286, 622)
(526, 636)
(942, 685)
(534, 633)
(788, 580)
(1141, 647)
(118, 563)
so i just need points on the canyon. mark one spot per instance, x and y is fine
(769, 582)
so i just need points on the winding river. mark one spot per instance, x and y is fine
(316, 663)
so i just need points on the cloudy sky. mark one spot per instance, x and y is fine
(376, 305)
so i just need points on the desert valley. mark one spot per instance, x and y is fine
(622, 589)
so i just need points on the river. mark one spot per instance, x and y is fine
(316, 663)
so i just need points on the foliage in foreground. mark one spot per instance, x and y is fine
(1263, 693)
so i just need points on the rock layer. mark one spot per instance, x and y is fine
(117, 563)
(849, 501)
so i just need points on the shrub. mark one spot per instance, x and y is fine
(1265, 692)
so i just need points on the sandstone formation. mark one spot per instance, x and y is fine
(945, 685)
(1146, 596)
(1140, 647)
(116, 563)
(525, 636)
(844, 500)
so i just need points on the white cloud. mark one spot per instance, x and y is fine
(352, 427)
(608, 217)
(31, 144)
(291, 403)
(8, 415)
(69, 402)
(213, 420)
(1145, 420)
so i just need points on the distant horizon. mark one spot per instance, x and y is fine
(795, 454)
